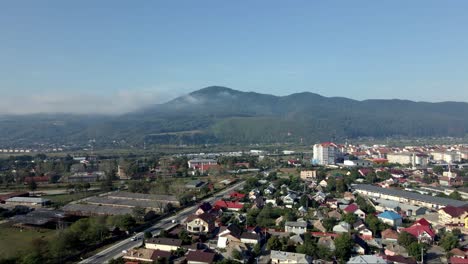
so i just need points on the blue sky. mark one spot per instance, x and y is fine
(116, 56)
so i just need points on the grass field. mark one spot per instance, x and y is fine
(62, 199)
(13, 241)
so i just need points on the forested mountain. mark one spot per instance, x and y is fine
(219, 114)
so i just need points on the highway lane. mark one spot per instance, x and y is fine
(116, 250)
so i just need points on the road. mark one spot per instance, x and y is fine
(115, 251)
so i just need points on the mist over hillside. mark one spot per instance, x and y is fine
(223, 115)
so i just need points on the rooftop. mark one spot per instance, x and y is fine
(288, 256)
(27, 200)
(389, 215)
(142, 196)
(164, 241)
(409, 195)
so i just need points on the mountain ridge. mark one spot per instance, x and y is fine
(224, 115)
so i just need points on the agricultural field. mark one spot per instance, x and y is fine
(14, 241)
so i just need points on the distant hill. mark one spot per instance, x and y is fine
(223, 115)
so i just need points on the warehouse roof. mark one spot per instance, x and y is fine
(38, 217)
(142, 196)
(409, 195)
(36, 200)
(91, 209)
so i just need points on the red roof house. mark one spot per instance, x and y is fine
(351, 208)
(422, 232)
(237, 195)
(423, 222)
(234, 206)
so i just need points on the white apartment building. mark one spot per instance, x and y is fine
(325, 153)
(446, 156)
(415, 159)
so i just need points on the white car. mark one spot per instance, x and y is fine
(134, 238)
(124, 251)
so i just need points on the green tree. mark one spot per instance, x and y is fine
(331, 184)
(438, 170)
(343, 246)
(274, 243)
(341, 186)
(236, 254)
(309, 247)
(32, 185)
(414, 249)
(257, 249)
(86, 186)
(349, 218)
(456, 232)
(116, 261)
(148, 235)
(456, 196)
(449, 242)
(185, 237)
(329, 223)
(405, 239)
(371, 177)
(324, 252)
(139, 213)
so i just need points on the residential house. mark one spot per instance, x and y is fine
(164, 244)
(204, 208)
(237, 196)
(394, 249)
(363, 259)
(335, 214)
(299, 227)
(295, 163)
(279, 220)
(234, 234)
(296, 240)
(201, 224)
(146, 255)
(231, 206)
(390, 218)
(323, 183)
(290, 198)
(458, 253)
(308, 174)
(197, 163)
(258, 203)
(302, 211)
(354, 209)
(272, 202)
(39, 180)
(342, 227)
(327, 241)
(423, 233)
(254, 194)
(398, 259)
(360, 246)
(451, 215)
(317, 224)
(456, 260)
(389, 235)
(200, 257)
(358, 163)
(281, 257)
(349, 196)
(363, 231)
